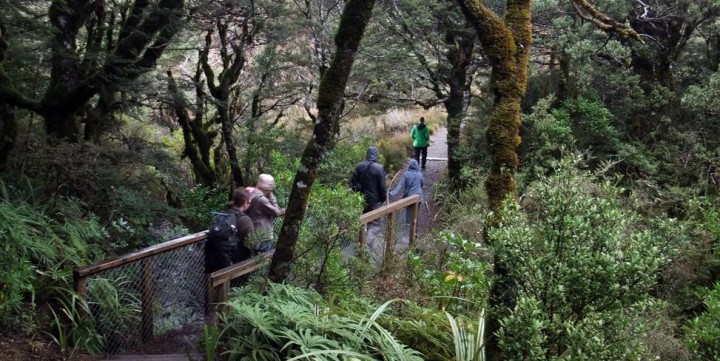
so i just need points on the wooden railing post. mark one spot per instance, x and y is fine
(413, 222)
(147, 300)
(389, 240)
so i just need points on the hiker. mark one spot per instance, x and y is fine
(412, 183)
(369, 179)
(232, 247)
(420, 135)
(263, 211)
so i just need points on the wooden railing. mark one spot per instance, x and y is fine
(218, 283)
(388, 211)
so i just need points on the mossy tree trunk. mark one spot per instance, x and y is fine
(506, 44)
(461, 45)
(355, 17)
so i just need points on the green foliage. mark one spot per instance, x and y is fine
(396, 151)
(116, 311)
(200, 201)
(339, 164)
(331, 225)
(548, 137)
(591, 123)
(703, 331)
(44, 249)
(72, 324)
(583, 268)
(287, 322)
(457, 278)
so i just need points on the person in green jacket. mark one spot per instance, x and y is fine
(421, 140)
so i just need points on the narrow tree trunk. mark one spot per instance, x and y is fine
(354, 20)
(461, 45)
(8, 134)
(193, 140)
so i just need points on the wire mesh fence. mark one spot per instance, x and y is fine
(148, 297)
(165, 288)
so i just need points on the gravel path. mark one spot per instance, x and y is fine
(435, 167)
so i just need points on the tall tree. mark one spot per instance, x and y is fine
(94, 46)
(443, 46)
(353, 22)
(506, 43)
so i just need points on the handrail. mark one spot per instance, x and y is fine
(146, 252)
(239, 269)
(390, 208)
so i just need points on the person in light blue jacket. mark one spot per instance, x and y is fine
(412, 183)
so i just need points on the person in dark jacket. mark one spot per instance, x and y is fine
(218, 256)
(369, 179)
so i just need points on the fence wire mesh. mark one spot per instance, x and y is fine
(149, 297)
(165, 292)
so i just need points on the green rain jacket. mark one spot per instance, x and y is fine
(420, 135)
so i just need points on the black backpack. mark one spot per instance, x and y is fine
(221, 247)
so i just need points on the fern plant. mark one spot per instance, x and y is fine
(289, 323)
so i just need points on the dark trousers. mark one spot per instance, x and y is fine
(421, 152)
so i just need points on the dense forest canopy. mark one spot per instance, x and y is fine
(579, 210)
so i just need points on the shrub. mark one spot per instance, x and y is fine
(44, 250)
(330, 228)
(287, 322)
(703, 331)
(582, 266)
(453, 274)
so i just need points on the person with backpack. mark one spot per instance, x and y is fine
(263, 210)
(420, 135)
(229, 234)
(412, 183)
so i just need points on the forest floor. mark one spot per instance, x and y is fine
(183, 342)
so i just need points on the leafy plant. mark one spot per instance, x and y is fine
(73, 325)
(330, 229)
(458, 280)
(703, 331)
(582, 267)
(44, 250)
(116, 311)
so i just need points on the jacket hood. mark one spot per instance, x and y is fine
(372, 154)
(421, 126)
(413, 165)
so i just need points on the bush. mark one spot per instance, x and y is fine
(287, 322)
(44, 250)
(703, 332)
(330, 227)
(582, 266)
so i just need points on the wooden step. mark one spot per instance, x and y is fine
(172, 357)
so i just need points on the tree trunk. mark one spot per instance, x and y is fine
(8, 134)
(196, 140)
(461, 45)
(354, 20)
(506, 44)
